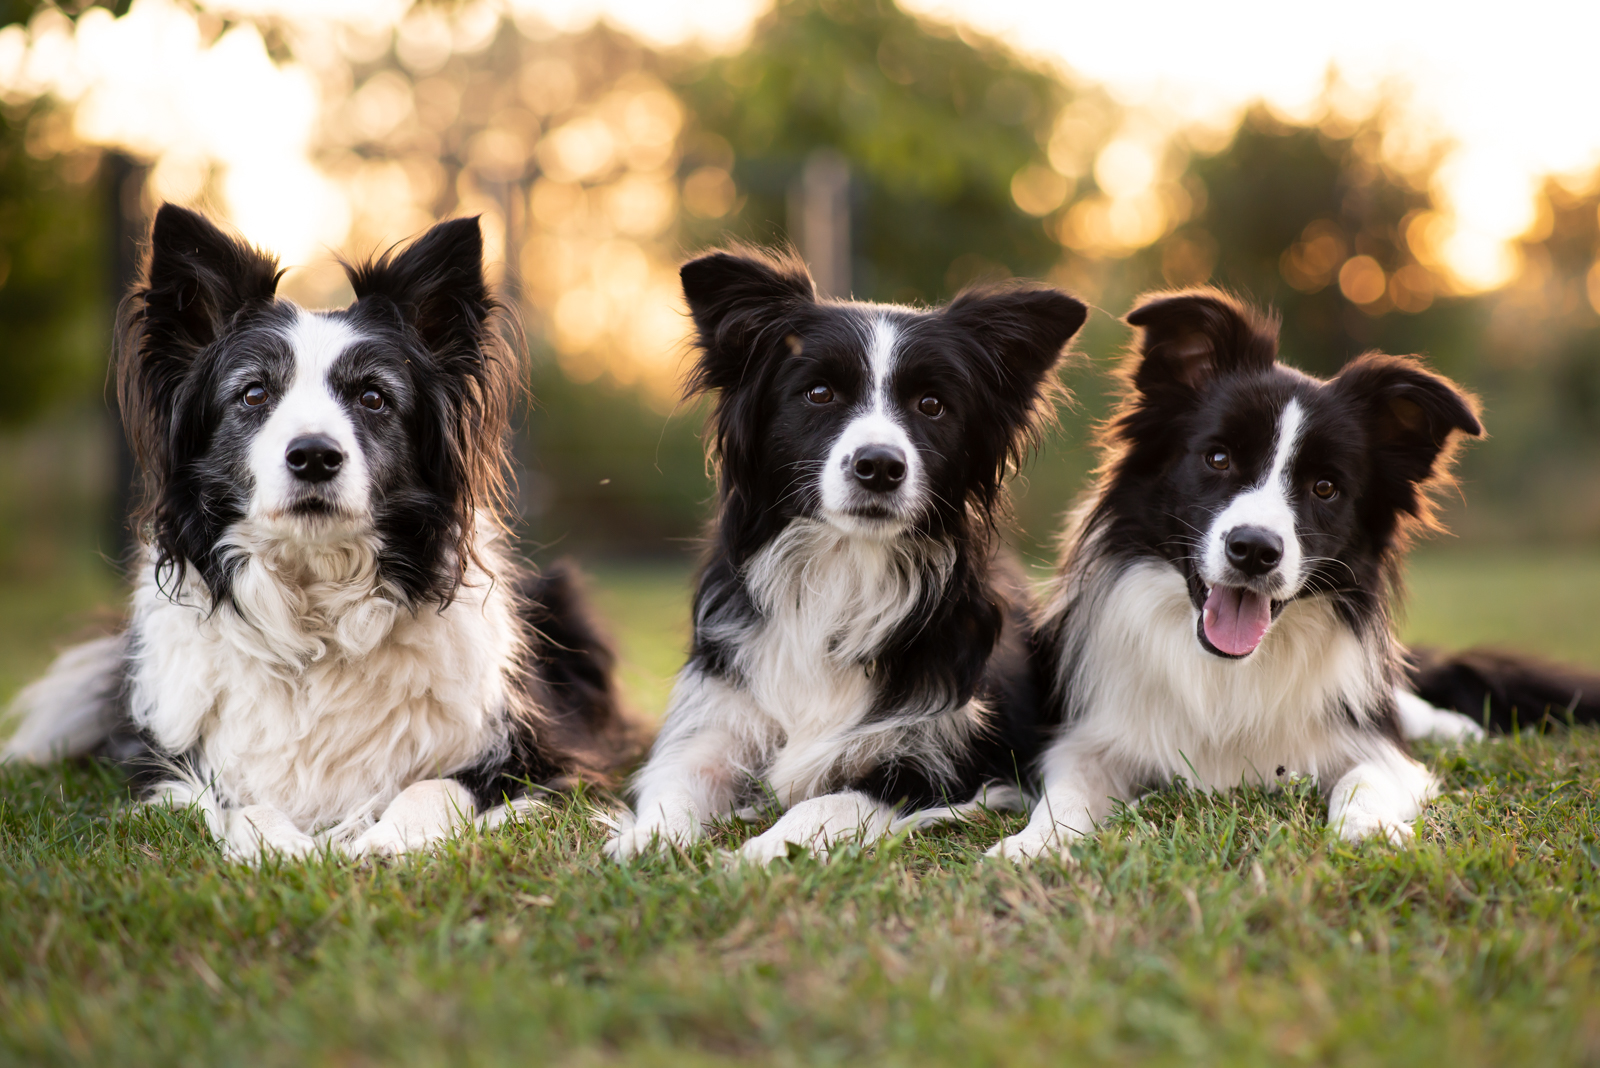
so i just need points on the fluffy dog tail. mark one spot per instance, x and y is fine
(1505, 691)
(574, 668)
(74, 708)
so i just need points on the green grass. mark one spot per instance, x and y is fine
(1195, 930)
(1535, 599)
(647, 608)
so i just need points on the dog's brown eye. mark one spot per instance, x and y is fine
(372, 400)
(1219, 459)
(255, 396)
(931, 406)
(819, 394)
(1325, 489)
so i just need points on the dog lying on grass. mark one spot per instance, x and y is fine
(1222, 612)
(331, 641)
(860, 655)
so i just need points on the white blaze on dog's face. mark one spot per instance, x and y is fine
(1251, 554)
(1262, 484)
(872, 481)
(306, 459)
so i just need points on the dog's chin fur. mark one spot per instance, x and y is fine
(859, 652)
(1216, 448)
(330, 641)
(304, 528)
(869, 525)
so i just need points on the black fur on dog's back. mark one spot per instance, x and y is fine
(1505, 691)
(580, 731)
(575, 665)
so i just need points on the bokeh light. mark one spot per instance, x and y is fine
(331, 144)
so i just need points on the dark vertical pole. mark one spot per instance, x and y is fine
(514, 209)
(125, 231)
(819, 215)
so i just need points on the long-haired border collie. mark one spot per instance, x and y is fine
(859, 655)
(330, 640)
(1222, 609)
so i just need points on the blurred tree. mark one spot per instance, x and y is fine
(935, 126)
(53, 304)
(1314, 222)
(53, 300)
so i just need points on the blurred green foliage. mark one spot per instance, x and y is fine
(54, 300)
(1278, 199)
(607, 470)
(933, 126)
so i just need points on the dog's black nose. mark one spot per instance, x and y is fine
(1253, 550)
(313, 458)
(879, 468)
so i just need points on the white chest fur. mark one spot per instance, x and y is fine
(319, 695)
(1155, 704)
(829, 602)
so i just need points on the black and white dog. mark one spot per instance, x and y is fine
(859, 654)
(331, 640)
(1222, 609)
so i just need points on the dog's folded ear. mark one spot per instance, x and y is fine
(1412, 415)
(738, 299)
(1026, 326)
(1187, 339)
(196, 280)
(436, 283)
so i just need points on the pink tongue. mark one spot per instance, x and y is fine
(1235, 619)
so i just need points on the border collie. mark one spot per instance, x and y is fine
(331, 641)
(860, 654)
(1222, 609)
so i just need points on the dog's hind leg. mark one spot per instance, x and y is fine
(424, 813)
(1422, 721)
(73, 707)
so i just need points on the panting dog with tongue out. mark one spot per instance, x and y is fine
(1222, 611)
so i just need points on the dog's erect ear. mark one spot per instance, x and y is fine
(1412, 415)
(198, 278)
(737, 299)
(1187, 339)
(1025, 326)
(436, 283)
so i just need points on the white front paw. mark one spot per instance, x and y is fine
(1357, 824)
(386, 838)
(1033, 842)
(773, 844)
(424, 813)
(642, 838)
(256, 830)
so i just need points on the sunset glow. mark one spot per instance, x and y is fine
(1511, 89)
(1507, 100)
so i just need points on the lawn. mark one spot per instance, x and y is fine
(1194, 930)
